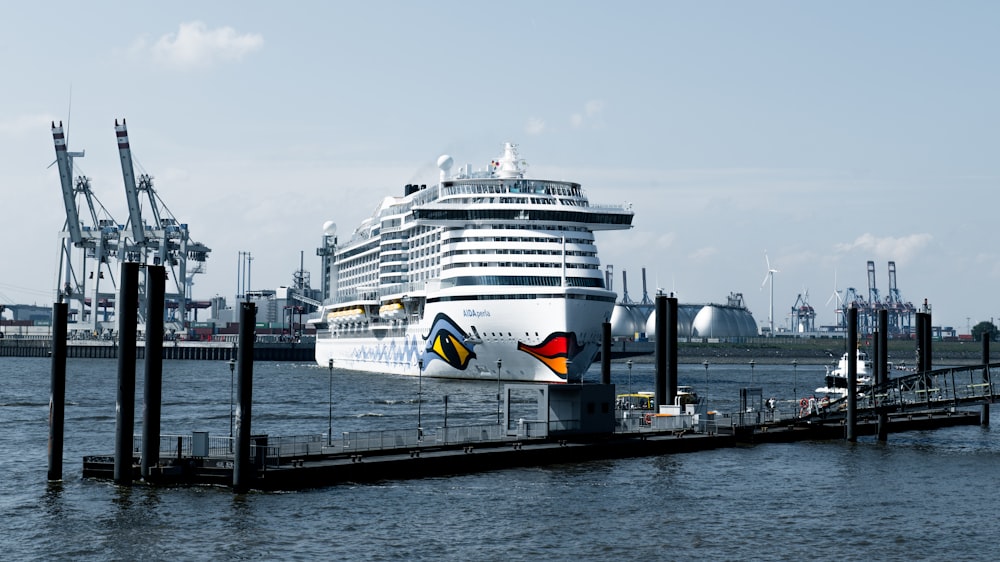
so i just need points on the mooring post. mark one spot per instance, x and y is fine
(153, 385)
(876, 353)
(882, 360)
(661, 351)
(128, 308)
(671, 349)
(984, 416)
(918, 325)
(243, 467)
(57, 400)
(928, 339)
(925, 346)
(852, 373)
(606, 353)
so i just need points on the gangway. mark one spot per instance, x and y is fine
(950, 387)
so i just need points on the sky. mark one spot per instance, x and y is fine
(821, 135)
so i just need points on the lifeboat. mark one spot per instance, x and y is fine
(391, 311)
(345, 315)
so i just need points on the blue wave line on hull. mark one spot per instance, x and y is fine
(389, 353)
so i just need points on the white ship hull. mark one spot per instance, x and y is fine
(536, 340)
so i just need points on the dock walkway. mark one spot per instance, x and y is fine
(293, 463)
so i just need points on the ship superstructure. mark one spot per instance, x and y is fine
(487, 275)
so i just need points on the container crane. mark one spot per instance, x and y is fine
(803, 314)
(166, 242)
(98, 242)
(900, 311)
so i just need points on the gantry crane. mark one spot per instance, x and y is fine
(803, 314)
(165, 242)
(81, 275)
(900, 312)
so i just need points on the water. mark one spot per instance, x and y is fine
(924, 495)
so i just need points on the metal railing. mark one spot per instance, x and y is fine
(952, 386)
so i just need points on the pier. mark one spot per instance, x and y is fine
(264, 350)
(537, 425)
(297, 462)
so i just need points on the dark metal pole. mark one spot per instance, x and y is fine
(882, 359)
(671, 350)
(876, 354)
(420, 397)
(128, 308)
(852, 373)
(629, 365)
(925, 347)
(984, 416)
(242, 465)
(329, 428)
(499, 366)
(795, 379)
(928, 341)
(153, 385)
(661, 351)
(606, 353)
(232, 398)
(919, 329)
(57, 400)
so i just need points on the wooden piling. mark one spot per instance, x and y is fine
(128, 307)
(852, 374)
(243, 467)
(984, 416)
(882, 360)
(153, 385)
(661, 350)
(671, 349)
(57, 400)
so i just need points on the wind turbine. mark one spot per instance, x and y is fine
(840, 301)
(836, 292)
(769, 278)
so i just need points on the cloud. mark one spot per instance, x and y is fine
(535, 126)
(702, 254)
(590, 115)
(196, 46)
(898, 249)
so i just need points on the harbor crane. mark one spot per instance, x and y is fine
(88, 277)
(901, 312)
(164, 242)
(803, 314)
(81, 272)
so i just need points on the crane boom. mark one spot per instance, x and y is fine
(64, 159)
(131, 193)
(873, 297)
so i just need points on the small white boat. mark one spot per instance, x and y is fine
(835, 381)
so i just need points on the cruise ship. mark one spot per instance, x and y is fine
(488, 275)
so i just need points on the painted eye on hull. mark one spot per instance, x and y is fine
(447, 347)
(446, 341)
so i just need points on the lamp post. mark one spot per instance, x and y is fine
(499, 366)
(420, 393)
(751, 370)
(629, 365)
(795, 379)
(329, 428)
(705, 364)
(232, 379)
